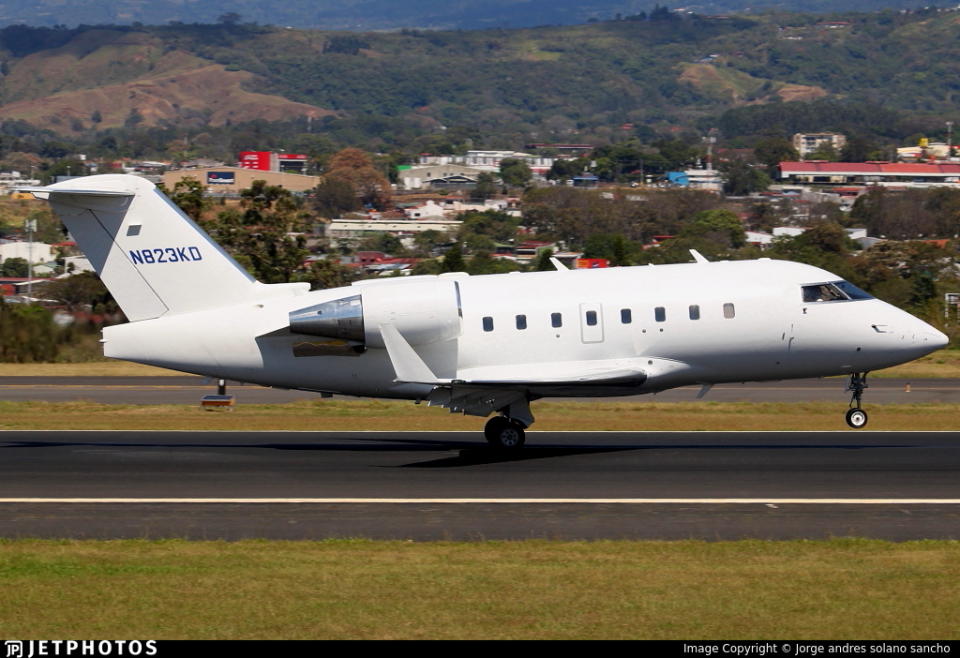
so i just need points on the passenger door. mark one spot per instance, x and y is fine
(591, 322)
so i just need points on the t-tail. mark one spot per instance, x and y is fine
(153, 258)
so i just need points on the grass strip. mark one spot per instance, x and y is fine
(343, 589)
(388, 415)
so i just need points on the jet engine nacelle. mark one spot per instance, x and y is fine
(423, 311)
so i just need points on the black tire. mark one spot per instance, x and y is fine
(856, 418)
(504, 434)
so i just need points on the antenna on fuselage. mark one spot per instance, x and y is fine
(557, 264)
(697, 256)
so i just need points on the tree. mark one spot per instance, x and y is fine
(333, 197)
(353, 166)
(543, 262)
(453, 259)
(328, 273)
(615, 248)
(515, 172)
(741, 179)
(266, 237)
(27, 333)
(84, 291)
(485, 188)
(720, 226)
(824, 152)
(771, 151)
(189, 195)
(14, 267)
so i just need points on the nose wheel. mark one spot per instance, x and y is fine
(504, 433)
(856, 416)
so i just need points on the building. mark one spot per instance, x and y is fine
(32, 252)
(807, 143)
(898, 174)
(357, 229)
(697, 179)
(489, 161)
(437, 175)
(295, 163)
(924, 151)
(230, 181)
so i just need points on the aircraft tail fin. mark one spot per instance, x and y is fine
(153, 258)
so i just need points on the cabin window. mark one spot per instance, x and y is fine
(556, 319)
(660, 314)
(626, 316)
(488, 323)
(591, 317)
(521, 322)
(694, 312)
(729, 311)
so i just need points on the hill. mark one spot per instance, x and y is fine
(642, 76)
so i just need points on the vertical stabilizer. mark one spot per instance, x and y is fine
(154, 259)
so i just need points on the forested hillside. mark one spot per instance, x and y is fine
(887, 76)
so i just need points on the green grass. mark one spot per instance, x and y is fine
(494, 590)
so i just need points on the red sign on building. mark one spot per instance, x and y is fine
(255, 160)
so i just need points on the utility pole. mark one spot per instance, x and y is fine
(949, 139)
(31, 226)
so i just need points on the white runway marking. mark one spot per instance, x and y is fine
(491, 501)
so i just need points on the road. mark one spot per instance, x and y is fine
(448, 485)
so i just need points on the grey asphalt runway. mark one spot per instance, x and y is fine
(189, 389)
(449, 485)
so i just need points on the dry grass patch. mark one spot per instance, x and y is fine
(389, 415)
(104, 368)
(496, 590)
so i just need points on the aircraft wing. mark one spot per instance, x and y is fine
(560, 373)
(410, 368)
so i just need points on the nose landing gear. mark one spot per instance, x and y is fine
(856, 417)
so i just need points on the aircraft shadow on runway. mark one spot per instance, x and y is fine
(470, 453)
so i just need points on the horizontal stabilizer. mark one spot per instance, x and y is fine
(45, 192)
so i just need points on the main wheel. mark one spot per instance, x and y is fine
(856, 418)
(504, 434)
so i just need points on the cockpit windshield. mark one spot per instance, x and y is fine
(834, 291)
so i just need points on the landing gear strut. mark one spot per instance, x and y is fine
(504, 433)
(856, 417)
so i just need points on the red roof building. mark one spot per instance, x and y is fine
(866, 173)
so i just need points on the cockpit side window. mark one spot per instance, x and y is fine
(834, 291)
(852, 291)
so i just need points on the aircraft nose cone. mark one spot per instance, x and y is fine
(934, 339)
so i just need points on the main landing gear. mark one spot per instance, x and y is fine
(856, 417)
(504, 433)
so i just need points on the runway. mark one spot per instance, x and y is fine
(188, 389)
(448, 485)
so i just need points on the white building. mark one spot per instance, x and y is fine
(32, 252)
(446, 174)
(807, 143)
(361, 228)
(490, 160)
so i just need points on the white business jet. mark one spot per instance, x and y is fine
(476, 345)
